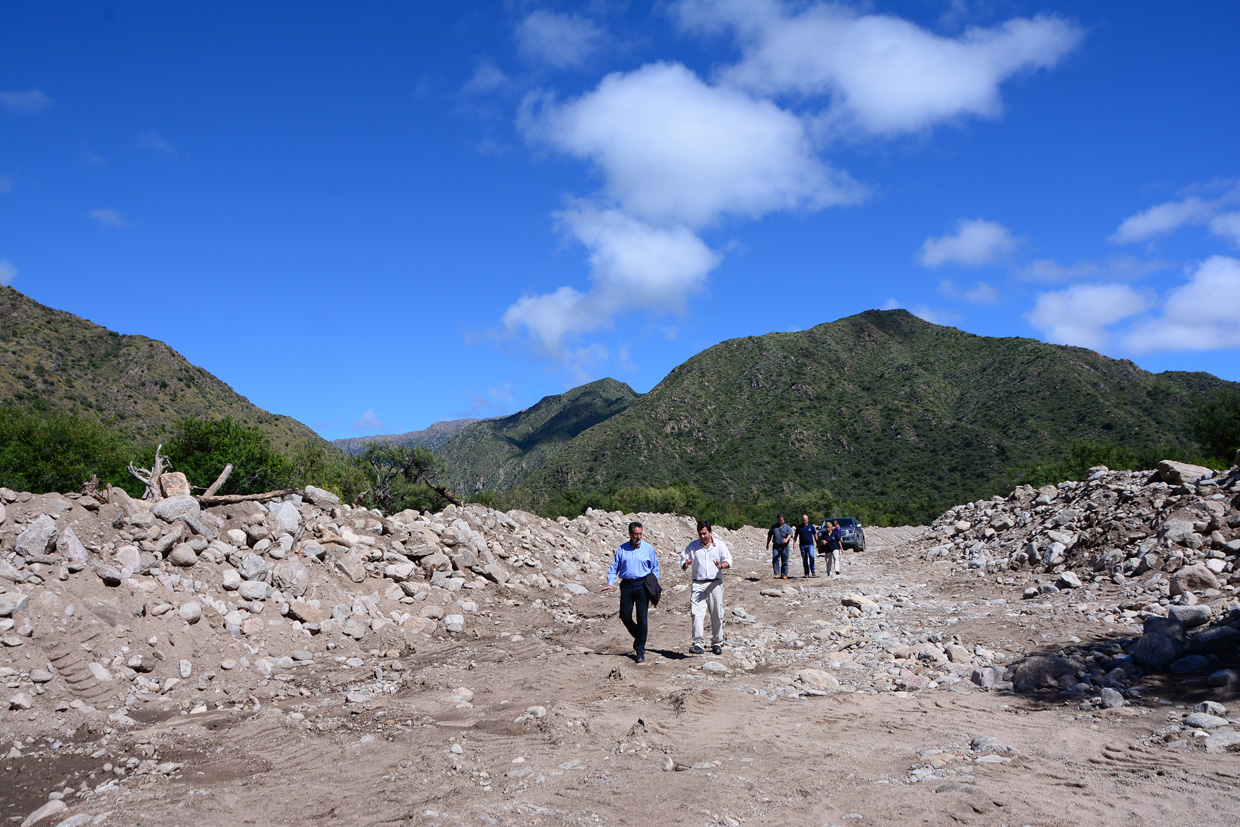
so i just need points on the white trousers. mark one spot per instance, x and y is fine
(707, 597)
(832, 561)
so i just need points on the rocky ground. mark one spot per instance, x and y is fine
(1030, 660)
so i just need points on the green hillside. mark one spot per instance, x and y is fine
(881, 406)
(52, 360)
(497, 454)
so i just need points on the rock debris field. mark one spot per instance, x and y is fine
(1065, 655)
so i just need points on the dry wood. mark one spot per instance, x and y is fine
(150, 476)
(227, 499)
(219, 482)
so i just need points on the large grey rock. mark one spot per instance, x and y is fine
(321, 498)
(200, 526)
(291, 577)
(1217, 639)
(70, 547)
(183, 555)
(254, 590)
(1170, 627)
(1154, 651)
(1221, 742)
(254, 567)
(351, 566)
(1069, 580)
(1181, 473)
(1041, 672)
(12, 603)
(173, 508)
(190, 612)
(1204, 720)
(39, 538)
(1191, 616)
(1192, 579)
(288, 515)
(1111, 699)
(4, 515)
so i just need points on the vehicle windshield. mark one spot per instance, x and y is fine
(844, 522)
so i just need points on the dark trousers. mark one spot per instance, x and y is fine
(634, 600)
(779, 560)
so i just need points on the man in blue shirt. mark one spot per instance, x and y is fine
(633, 561)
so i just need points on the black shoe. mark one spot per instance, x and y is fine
(696, 650)
(639, 658)
(716, 649)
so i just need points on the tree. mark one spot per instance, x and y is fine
(200, 448)
(404, 476)
(1215, 424)
(43, 451)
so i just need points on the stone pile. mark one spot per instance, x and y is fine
(1116, 525)
(115, 604)
(1169, 539)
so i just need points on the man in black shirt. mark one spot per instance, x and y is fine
(807, 533)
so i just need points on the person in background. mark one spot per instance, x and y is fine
(780, 534)
(632, 562)
(830, 536)
(709, 558)
(807, 533)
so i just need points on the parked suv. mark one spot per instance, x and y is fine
(852, 535)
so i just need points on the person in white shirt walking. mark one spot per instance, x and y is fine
(708, 558)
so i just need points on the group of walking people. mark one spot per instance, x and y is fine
(635, 568)
(811, 539)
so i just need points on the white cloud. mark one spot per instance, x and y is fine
(1162, 219)
(1193, 211)
(368, 422)
(152, 141)
(980, 293)
(487, 78)
(1227, 225)
(884, 75)
(1203, 314)
(974, 243)
(8, 272)
(1115, 267)
(673, 148)
(28, 102)
(108, 218)
(1081, 315)
(562, 41)
(634, 266)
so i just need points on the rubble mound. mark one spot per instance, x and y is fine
(1169, 538)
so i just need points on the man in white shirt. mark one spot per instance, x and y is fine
(708, 558)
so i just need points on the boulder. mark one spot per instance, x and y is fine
(12, 603)
(70, 547)
(254, 567)
(288, 516)
(174, 484)
(306, 612)
(818, 679)
(351, 566)
(174, 508)
(183, 555)
(323, 499)
(291, 577)
(39, 538)
(1193, 579)
(1154, 651)
(1181, 473)
(1041, 672)
(1190, 616)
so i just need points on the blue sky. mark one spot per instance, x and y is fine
(374, 216)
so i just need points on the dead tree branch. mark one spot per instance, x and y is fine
(228, 499)
(219, 482)
(150, 476)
